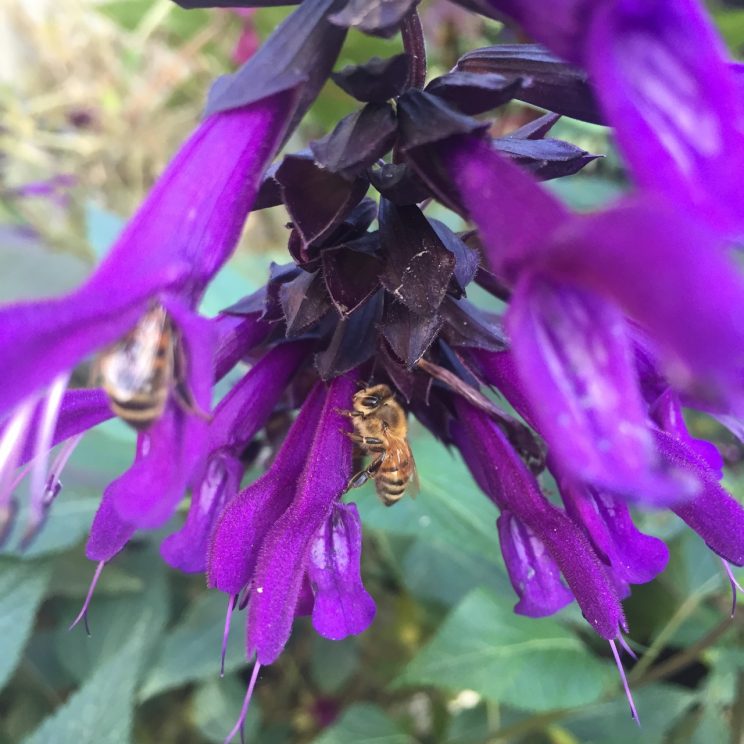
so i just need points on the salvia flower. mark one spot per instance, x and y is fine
(611, 321)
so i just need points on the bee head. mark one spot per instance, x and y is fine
(371, 398)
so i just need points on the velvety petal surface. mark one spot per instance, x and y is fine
(236, 335)
(532, 571)
(240, 530)
(512, 211)
(506, 480)
(242, 412)
(575, 363)
(284, 553)
(665, 85)
(186, 549)
(81, 409)
(667, 412)
(635, 558)
(669, 275)
(342, 605)
(715, 515)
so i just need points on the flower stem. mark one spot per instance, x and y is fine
(413, 43)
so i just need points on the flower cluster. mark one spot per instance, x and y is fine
(613, 320)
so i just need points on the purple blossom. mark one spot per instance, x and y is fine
(612, 319)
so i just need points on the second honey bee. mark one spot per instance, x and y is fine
(381, 430)
(139, 371)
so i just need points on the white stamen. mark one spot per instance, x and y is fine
(11, 446)
(44, 436)
(628, 694)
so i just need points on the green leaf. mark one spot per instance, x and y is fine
(363, 724)
(450, 507)
(731, 25)
(69, 520)
(216, 707)
(468, 726)
(101, 711)
(531, 664)
(114, 621)
(191, 651)
(610, 723)
(443, 572)
(333, 662)
(22, 587)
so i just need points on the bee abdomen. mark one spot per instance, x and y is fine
(139, 412)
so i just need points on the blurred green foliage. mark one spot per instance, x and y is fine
(446, 660)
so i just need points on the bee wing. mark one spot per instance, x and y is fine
(399, 453)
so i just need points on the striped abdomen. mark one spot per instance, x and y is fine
(137, 372)
(394, 473)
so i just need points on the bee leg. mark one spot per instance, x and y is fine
(185, 399)
(371, 441)
(181, 392)
(348, 414)
(364, 475)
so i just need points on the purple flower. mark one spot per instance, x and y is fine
(575, 279)
(612, 319)
(664, 83)
(289, 525)
(169, 251)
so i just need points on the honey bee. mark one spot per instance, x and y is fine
(381, 430)
(139, 371)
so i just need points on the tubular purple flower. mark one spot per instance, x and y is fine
(178, 239)
(533, 573)
(237, 419)
(634, 558)
(281, 564)
(573, 356)
(664, 83)
(241, 528)
(664, 271)
(506, 480)
(173, 246)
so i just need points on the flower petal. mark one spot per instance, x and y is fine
(342, 605)
(715, 515)
(506, 480)
(575, 363)
(484, 180)
(284, 553)
(635, 558)
(186, 549)
(242, 412)
(667, 412)
(669, 275)
(532, 571)
(81, 409)
(181, 235)
(174, 446)
(242, 526)
(665, 85)
(236, 336)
